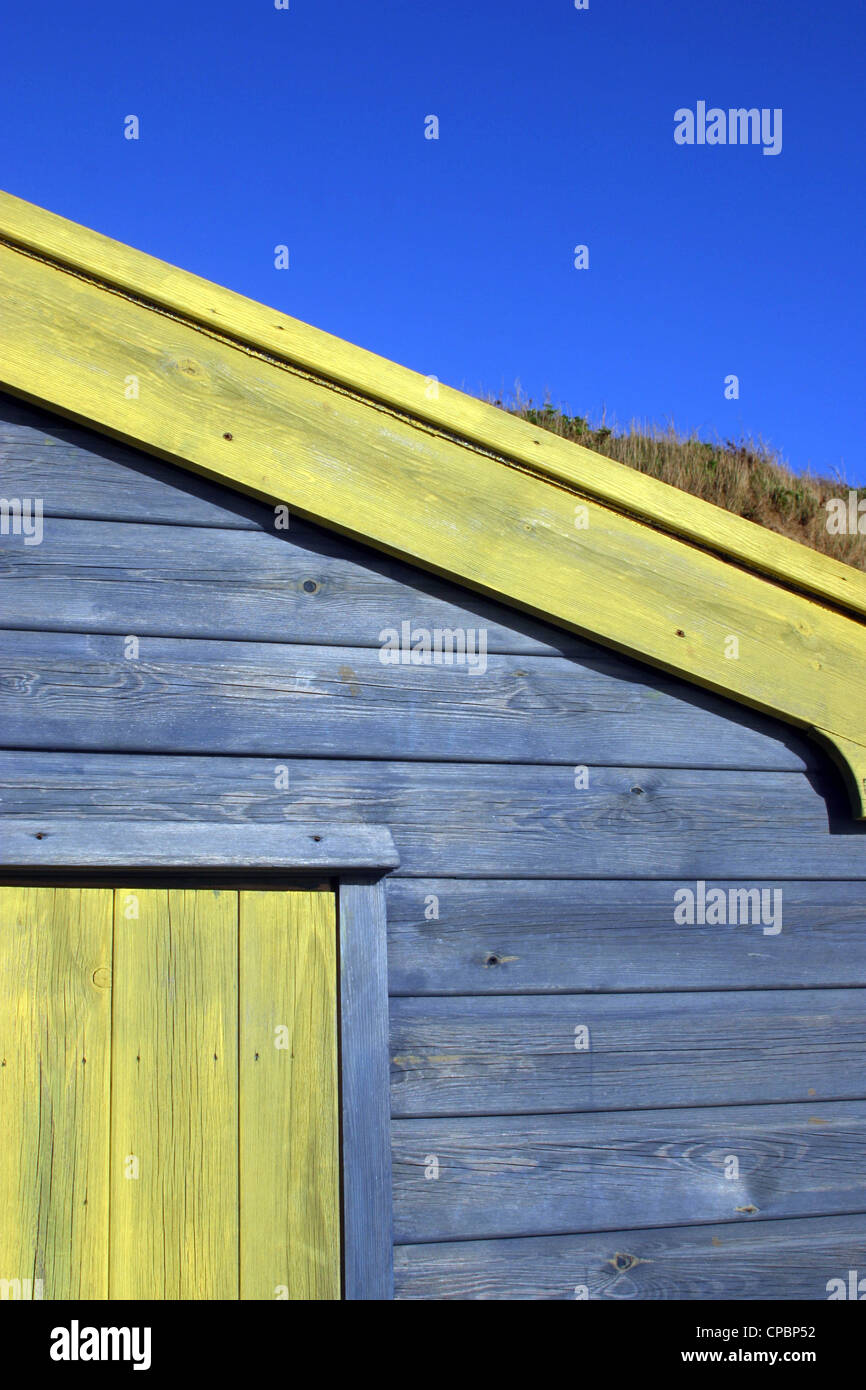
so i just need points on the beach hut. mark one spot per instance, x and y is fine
(433, 853)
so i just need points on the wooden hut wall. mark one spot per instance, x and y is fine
(589, 1097)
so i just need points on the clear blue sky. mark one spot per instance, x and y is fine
(306, 127)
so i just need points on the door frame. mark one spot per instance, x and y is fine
(358, 856)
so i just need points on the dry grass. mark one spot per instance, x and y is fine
(745, 478)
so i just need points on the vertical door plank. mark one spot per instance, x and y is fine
(368, 1197)
(174, 1119)
(55, 1042)
(289, 1125)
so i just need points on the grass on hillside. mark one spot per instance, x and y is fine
(746, 478)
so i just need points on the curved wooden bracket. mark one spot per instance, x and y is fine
(850, 758)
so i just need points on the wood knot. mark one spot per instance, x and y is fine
(621, 1261)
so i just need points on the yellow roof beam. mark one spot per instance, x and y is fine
(256, 401)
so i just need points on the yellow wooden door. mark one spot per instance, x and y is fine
(168, 1094)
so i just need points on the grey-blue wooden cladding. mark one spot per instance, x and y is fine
(75, 690)
(50, 843)
(510, 1055)
(770, 1260)
(492, 936)
(79, 473)
(304, 585)
(530, 1175)
(367, 1229)
(472, 820)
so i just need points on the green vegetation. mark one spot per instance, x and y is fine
(746, 478)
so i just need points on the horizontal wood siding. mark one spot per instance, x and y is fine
(774, 1260)
(162, 580)
(513, 1056)
(491, 936)
(534, 1175)
(76, 690)
(524, 908)
(477, 819)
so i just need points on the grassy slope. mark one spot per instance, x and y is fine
(744, 478)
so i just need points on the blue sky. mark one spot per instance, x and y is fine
(454, 256)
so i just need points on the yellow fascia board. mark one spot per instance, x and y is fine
(423, 398)
(218, 397)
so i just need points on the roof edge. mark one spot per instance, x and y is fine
(425, 399)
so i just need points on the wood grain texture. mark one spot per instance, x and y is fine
(477, 820)
(367, 1190)
(288, 340)
(510, 937)
(289, 1107)
(79, 473)
(510, 1056)
(69, 690)
(174, 1096)
(51, 843)
(285, 438)
(186, 581)
(786, 1260)
(55, 1043)
(138, 1163)
(562, 1174)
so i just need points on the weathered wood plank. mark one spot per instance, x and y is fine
(182, 581)
(561, 1174)
(476, 820)
(79, 473)
(55, 1045)
(51, 843)
(503, 531)
(518, 1055)
(505, 937)
(288, 1101)
(367, 1190)
(174, 1095)
(76, 691)
(778, 1260)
